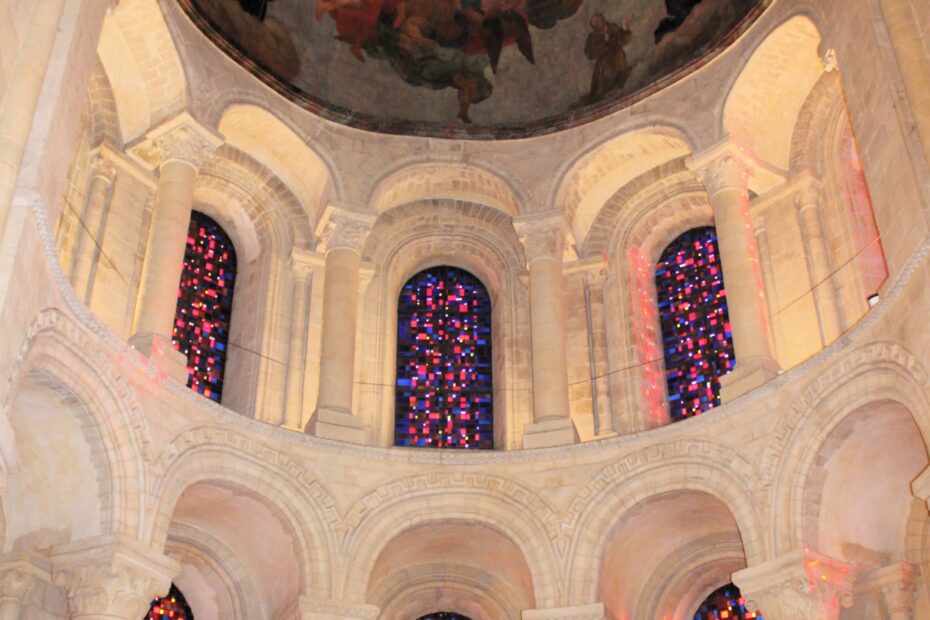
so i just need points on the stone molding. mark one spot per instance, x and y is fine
(542, 236)
(180, 139)
(340, 228)
(102, 168)
(594, 611)
(111, 577)
(799, 584)
(316, 609)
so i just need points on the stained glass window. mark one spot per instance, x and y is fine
(170, 607)
(696, 337)
(443, 391)
(444, 615)
(725, 603)
(205, 295)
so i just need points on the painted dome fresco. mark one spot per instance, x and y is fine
(470, 68)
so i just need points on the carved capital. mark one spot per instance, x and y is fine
(19, 576)
(303, 263)
(800, 584)
(102, 168)
(339, 228)
(542, 236)
(724, 166)
(182, 139)
(108, 577)
(808, 192)
(895, 586)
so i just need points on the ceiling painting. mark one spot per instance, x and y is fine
(470, 68)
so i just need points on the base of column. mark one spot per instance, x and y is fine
(163, 354)
(550, 433)
(749, 374)
(336, 424)
(587, 612)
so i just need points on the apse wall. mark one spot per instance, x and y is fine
(289, 500)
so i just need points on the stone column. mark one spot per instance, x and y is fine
(297, 351)
(543, 239)
(109, 579)
(594, 611)
(178, 148)
(85, 247)
(913, 64)
(724, 173)
(818, 261)
(896, 588)
(21, 95)
(799, 584)
(342, 238)
(768, 270)
(19, 577)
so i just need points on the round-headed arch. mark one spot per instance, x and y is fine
(304, 509)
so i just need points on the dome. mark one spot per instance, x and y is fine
(480, 69)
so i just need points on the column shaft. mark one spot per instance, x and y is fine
(340, 307)
(333, 417)
(88, 237)
(552, 425)
(21, 95)
(547, 322)
(818, 266)
(164, 256)
(293, 402)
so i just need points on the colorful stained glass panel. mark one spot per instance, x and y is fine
(444, 388)
(696, 336)
(170, 607)
(725, 603)
(205, 295)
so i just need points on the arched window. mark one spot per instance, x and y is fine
(443, 615)
(170, 607)
(726, 602)
(205, 296)
(696, 336)
(443, 390)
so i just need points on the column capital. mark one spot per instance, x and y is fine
(180, 139)
(303, 262)
(799, 584)
(110, 577)
(896, 585)
(102, 167)
(807, 190)
(542, 235)
(20, 573)
(341, 228)
(723, 166)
